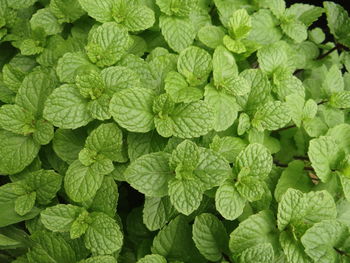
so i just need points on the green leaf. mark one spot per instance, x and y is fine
(11, 217)
(195, 64)
(223, 105)
(323, 241)
(224, 66)
(265, 28)
(59, 218)
(103, 235)
(176, 7)
(100, 259)
(68, 143)
(101, 10)
(211, 36)
(175, 241)
(71, 64)
(14, 118)
(66, 108)
(143, 143)
(185, 156)
(293, 249)
(150, 174)
(135, 17)
(302, 210)
(44, 132)
(179, 33)
(277, 7)
(256, 229)
(295, 30)
(333, 81)
(185, 195)
(295, 177)
(191, 120)
(210, 237)
(119, 77)
(152, 259)
(239, 24)
(46, 183)
(323, 153)
(106, 140)
(338, 21)
(25, 203)
(107, 44)
(132, 109)
(250, 188)
(212, 169)
(229, 147)
(272, 57)
(256, 158)
(16, 152)
(243, 124)
(178, 89)
(80, 225)
(228, 201)
(157, 212)
(271, 116)
(340, 100)
(81, 182)
(66, 11)
(50, 247)
(262, 253)
(43, 19)
(305, 13)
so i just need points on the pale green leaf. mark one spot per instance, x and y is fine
(178, 32)
(210, 237)
(59, 218)
(195, 64)
(81, 182)
(101, 10)
(271, 116)
(256, 158)
(43, 19)
(323, 241)
(228, 201)
(150, 174)
(16, 152)
(103, 235)
(229, 147)
(323, 153)
(132, 109)
(157, 212)
(25, 203)
(185, 195)
(107, 44)
(66, 108)
(211, 36)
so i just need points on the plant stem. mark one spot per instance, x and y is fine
(303, 158)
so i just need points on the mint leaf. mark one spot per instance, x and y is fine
(323, 241)
(195, 64)
(132, 109)
(256, 158)
(210, 236)
(17, 152)
(81, 182)
(60, 218)
(103, 235)
(66, 108)
(228, 201)
(150, 174)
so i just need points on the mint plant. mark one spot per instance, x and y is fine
(174, 131)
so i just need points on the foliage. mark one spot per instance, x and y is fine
(178, 131)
